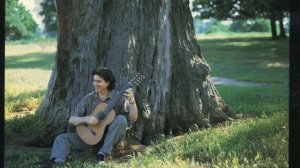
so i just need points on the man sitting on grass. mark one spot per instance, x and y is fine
(104, 83)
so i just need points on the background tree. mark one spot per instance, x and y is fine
(278, 9)
(253, 25)
(250, 9)
(18, 21)
(217, 27)
(155, 38)
(48, 11)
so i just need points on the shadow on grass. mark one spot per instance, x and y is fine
(39, 60)
(16, 156)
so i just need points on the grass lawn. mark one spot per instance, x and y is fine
(258, 141)
(247, 58)
(27, 72)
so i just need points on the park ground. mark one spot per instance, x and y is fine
(258, 138)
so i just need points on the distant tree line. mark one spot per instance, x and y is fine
(49, 14)
(215, 26)
(274, 10)
(18, 21)
(20, 24)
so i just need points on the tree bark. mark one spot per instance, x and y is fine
(273, 26)
(155, 38)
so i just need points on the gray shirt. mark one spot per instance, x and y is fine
(88, 104)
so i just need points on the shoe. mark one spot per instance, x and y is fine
(56, 164)
(100, 158)
(59, 164)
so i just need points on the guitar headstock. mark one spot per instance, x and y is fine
(137, 79)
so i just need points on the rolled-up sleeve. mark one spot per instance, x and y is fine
(126, 106)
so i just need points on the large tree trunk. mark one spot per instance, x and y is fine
(155, 38)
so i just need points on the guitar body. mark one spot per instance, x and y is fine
(92, 134)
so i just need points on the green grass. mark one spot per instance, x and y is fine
(19, 128)
(253, 142)
(249, 143)
(24, 89)
(26, 76)
(255, 101)
(260, 141)
(257, 59)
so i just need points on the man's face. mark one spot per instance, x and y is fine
(99, 83)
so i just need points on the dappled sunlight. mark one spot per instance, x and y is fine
(13, 116)
(24, 89)
(20, 100)
(277, 65)
(273, 49)
(238, 44)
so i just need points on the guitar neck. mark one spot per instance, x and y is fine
(118, 97)
(115, 100)
(112, 104)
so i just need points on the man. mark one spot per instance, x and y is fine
(104, 84)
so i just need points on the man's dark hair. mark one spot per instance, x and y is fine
(107, 75)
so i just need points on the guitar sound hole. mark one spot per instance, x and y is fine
(90, 129)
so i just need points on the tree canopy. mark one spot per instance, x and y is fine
(18, 21)
(235, 9)
(250, 9)
(50, 15)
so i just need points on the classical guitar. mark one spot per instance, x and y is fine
(92, 134)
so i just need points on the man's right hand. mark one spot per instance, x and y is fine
(90, 120)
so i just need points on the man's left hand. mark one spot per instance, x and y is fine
(129, 95)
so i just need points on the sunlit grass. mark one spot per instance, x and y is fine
(27, 72)
(232, 35)
(17, 50)
(24, 89)
(27, 79)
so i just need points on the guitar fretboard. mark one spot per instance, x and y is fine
(115, 100)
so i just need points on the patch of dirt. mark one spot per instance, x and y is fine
(228, 81)
(128, 146)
